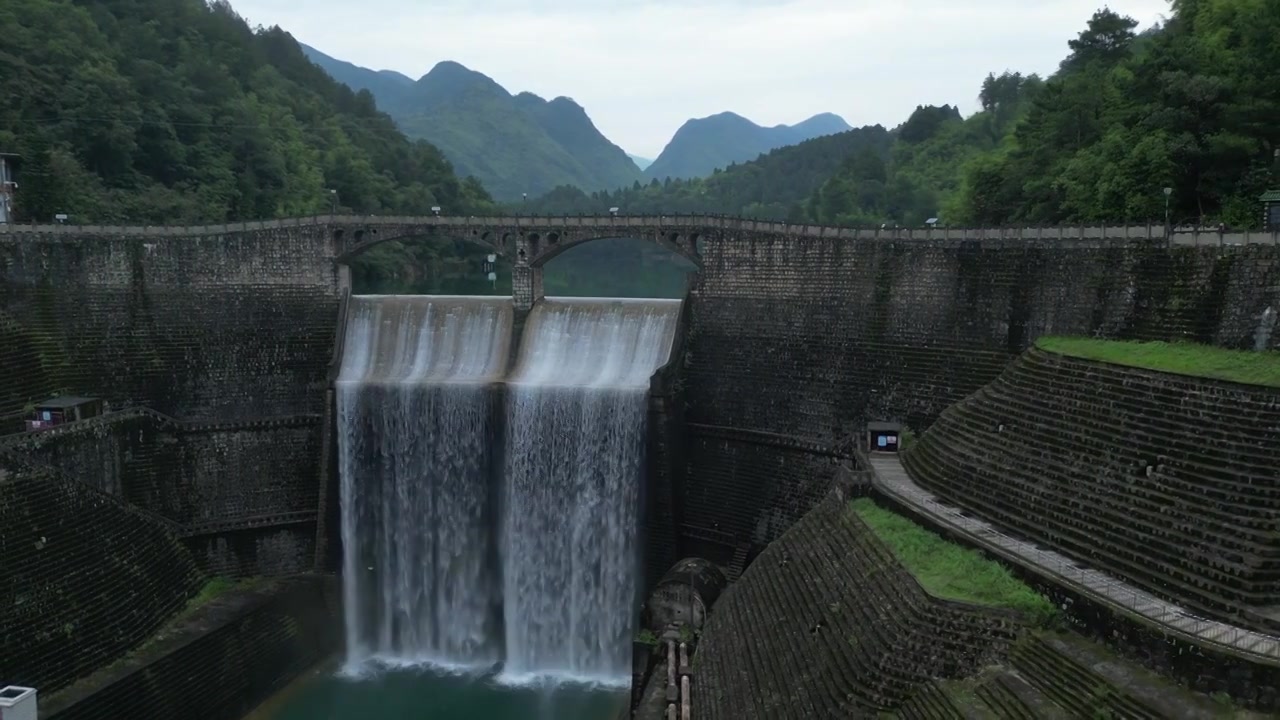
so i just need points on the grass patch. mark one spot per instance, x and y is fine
(1242, 366)
(950, 571)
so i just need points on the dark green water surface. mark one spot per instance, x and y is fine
(423, 694)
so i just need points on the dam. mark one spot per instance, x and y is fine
(490, 499)
(232, 419)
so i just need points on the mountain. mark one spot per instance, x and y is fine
(640, 162)
(776, 185)
(514, 144)
(702, 145)
(176, 111)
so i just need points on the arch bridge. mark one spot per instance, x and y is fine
(529, 242)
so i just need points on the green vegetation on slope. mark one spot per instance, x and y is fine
(512, 144)
(175, 111)
(775, 186)
(1190, 105)
(1242, 366)
(1187, 105)
(949, 571)
(703, 145)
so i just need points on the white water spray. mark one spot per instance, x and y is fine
(414, 404)
(575, 448)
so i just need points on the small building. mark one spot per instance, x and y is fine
(17, 703)
(61, 410)
(8, 185)
(1271, 211)
(883, 436)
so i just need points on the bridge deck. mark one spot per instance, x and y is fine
(893, 480)
(702, 223)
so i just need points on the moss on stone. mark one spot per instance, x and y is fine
(947, 570)
(1242, 366)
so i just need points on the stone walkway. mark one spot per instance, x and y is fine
(892, 479)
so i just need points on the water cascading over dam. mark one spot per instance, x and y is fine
(416, 428)
(490, 517)
(576, 410)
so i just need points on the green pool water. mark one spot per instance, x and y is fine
(424, 694)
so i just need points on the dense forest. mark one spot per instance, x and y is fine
(776, 185)
(1191, 105)
(176, 111)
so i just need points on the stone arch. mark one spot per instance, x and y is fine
(542, 253)
(365, 239)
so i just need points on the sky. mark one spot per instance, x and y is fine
(642, 68)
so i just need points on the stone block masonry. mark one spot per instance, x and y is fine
(220, 662)
(86, 577)
(1165, 481)
(214, 327)
(827, 624)
(224, 335)
(810, 337)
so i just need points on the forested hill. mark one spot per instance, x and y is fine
(514, 144)
(777, 185)
(703, 145)
(1192, 105)
(174, 111)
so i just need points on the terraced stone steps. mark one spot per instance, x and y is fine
(1077, 688)
(1004, 702)
(826, 623)
(933, 702)
(1034, 513)
(1166, 481)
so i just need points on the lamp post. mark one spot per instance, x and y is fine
(1168, 192)
(333, 201)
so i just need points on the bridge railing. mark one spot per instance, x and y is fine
(702, 222)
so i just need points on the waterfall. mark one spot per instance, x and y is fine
(576, 411)
(477, 532)
(416, 462)
(1266, 326)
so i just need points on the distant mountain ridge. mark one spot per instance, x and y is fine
(514, 144)
(641, 162)
(703, 145)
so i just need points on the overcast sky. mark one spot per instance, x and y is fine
(643, 67)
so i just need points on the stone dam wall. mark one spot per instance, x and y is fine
(795, 342)
(1166, 481)
(219, 344)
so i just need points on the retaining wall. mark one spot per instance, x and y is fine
(826, 623)
(86, 576)
(1166, 481)
(221, 662)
